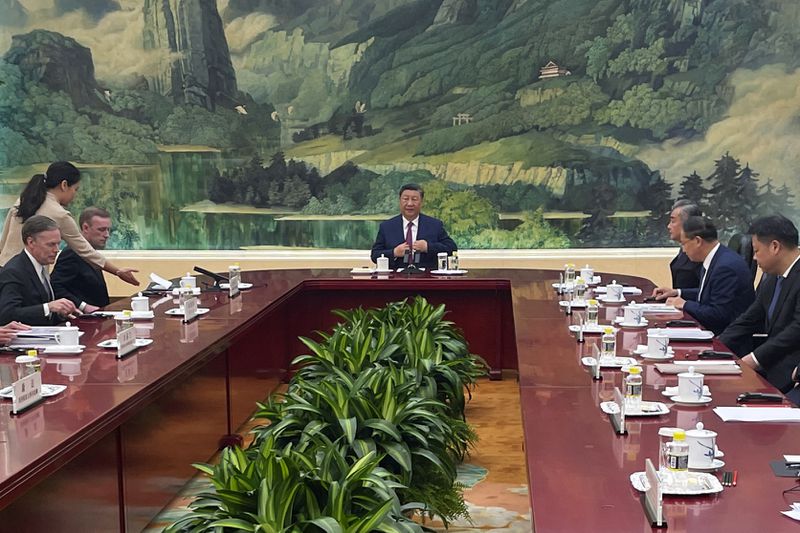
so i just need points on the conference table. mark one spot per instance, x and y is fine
(117, 445)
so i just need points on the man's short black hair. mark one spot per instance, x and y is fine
(35, 225)
(774, 228)
(412, 187)
(688, 209)
(701, 227)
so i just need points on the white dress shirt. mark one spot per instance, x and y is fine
(37, 267)
(414, 228)
(706, 266)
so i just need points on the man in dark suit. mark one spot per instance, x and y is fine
(726, 288)
(25, 291)
(776, 311)
(76, 279)
(411, 231)
(685, 272)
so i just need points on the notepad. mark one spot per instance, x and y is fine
(758, 414)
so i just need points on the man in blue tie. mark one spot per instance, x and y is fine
(726, 288)
(411, 231)
(774, 317)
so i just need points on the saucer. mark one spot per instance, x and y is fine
(63, 349)
(195, 291)
(177, 311)
(379, 271)
(457, 272)
(715, 465)
(686, 401)
(244, 286)
(575, 303)
(641, 351)
(112, 343)
(617, 362)
(606, 300)
(619, 321)
(650, 409)
(673, 391)
(591, 328)
(47, 391)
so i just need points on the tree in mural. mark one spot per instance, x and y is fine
(774, 200)
(692, 189)
(657, 198)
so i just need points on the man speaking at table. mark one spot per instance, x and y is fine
(25, 291)
(411, 231)
(776, 311)
(726, 288)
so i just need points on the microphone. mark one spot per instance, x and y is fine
(216, 277)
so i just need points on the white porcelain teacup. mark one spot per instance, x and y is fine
(633, 314)
(614, 292)
(657, 344)
(188, 281)
(68, 336)
(690, 385)
(702, 446)
(587, 273)
(140, 304)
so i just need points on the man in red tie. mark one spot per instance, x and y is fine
(411, 231)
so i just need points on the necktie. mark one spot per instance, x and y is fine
(409, 236)
(775, 296)
(46, 283)
(702, 282)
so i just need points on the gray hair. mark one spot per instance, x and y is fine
(687, 209)
(36, 225)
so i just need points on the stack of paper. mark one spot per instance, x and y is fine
(794, 512)
(758, 414)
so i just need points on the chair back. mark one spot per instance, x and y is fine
(742, 244)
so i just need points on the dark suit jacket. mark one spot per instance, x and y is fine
(392, 232)
(685, 273)
(22, 294)
(77, 280)
(780, 352)
(727, 292)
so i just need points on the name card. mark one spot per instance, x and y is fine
(190, 309)
(126, 341)
(27, 392)
(652, 500)
(235, 276)
(596, 367)
(190, 332)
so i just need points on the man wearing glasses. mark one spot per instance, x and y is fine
(726, 286)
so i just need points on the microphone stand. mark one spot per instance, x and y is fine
(216, 277)
(411, 258)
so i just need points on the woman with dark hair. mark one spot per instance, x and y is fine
(48, 194)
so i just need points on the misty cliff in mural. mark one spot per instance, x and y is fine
(575, 122)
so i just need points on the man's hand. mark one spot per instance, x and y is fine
(421, 246)
(677, 302)
(400, 249)
(126, 275)
(9, 332)
(63, 307)
(17, 326)
(662, 293)
(89, 309)
(749, 360)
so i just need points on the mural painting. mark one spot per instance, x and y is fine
(231, 124)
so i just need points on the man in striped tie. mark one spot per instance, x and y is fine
(774, 317)
(25, 291)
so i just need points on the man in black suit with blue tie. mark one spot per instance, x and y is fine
(726, 287)
(25, 291)
(411, 231)
(775, 315)
(77, 279)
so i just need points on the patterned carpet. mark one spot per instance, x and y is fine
(497, 490)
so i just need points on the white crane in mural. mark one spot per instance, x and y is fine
(290, 109)
(275, 117)
(107, 94)
(240, 109)
(360, 107)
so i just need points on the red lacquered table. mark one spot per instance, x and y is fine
(578, 468)
(117, 446)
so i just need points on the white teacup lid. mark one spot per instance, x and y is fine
(700, 432)
(23, 359)
(666, 431)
